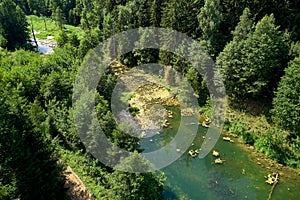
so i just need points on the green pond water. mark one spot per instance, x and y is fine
(195, 178)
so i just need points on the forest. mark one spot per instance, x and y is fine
(255, 45)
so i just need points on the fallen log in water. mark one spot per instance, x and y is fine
(272, 189)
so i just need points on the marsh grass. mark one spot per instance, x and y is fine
(51, 28)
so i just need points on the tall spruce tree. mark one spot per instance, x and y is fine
(286, 111)
(13, 25)
(252, 66)
(210, 19)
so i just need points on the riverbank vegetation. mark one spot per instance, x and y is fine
(255, 44)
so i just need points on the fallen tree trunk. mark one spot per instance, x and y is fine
(273, 187)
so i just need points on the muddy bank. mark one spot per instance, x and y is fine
(152, 96)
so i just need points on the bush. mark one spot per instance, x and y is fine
(134, 111)
(273, 144)
(246, 136)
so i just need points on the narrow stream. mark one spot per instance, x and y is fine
(237, 178)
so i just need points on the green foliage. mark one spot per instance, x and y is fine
(181, 16)
(198, 85)
(145, 55)
(295, 49)
(62, 38)
(36, 90)
(40, 176)
(38, 7)
(209, 19)
(136, 185)
(107, 83)
(133, 111)
(155, 12)
(13, 25)
(59, 17)
(246, 136)
(273, 144)
(88, 170)
(286, 111)
(294, 155)
(73, 40)
(127, 96)
(244, 27)
(45, 26)
(252, 67)
(123, 136)
(26, 131)
(7, 191)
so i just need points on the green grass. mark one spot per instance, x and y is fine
(52, 27)
(126, 96)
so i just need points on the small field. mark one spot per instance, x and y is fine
(45, 26)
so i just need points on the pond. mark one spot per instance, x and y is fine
(237, 178)
(45, 46)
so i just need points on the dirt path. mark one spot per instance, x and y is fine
(76, 188)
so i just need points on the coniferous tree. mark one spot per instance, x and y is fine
(156, 12)
(244, 27)
(286, 111)
(13, 25)
(147, 185)
(252, 67)
(59, 17)
(228, 60)
(209, 19)
(168, 20)
(27, 156)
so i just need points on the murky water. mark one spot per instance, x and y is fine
(237, 178)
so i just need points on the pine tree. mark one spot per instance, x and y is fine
(209, 20)
(26, 154)
(147, 185)
(286, 111)
(244, 27)
(59, 17)
(252, 66)
(13, 25)
(156, 12)
(168, 20)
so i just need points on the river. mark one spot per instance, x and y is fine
(238, 177)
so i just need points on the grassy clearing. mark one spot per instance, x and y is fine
(45, 26)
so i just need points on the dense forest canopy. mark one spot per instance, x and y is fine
(255, 45)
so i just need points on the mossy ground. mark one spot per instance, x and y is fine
(51, 28)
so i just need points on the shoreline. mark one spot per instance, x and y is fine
(270, 165)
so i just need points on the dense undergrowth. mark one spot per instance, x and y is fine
(257, 51)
